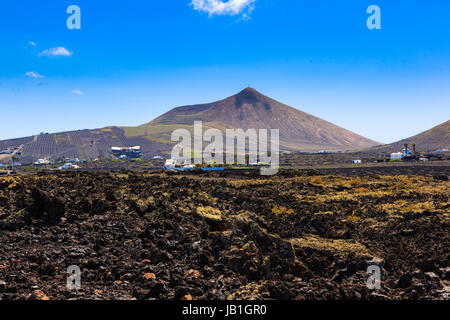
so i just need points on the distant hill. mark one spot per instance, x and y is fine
(299, 131)
(432, 139)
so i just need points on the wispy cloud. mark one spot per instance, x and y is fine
(77, 92)
(219, 7)
(32, 43)
(34, 75)
(56, 52)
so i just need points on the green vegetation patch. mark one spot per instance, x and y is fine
(336, 246)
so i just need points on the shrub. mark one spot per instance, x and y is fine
(356, 182)
(281, 210)
(361, 190)
(353, 218)
(317, 180)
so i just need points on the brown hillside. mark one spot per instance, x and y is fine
(251, 109)
(432, 139)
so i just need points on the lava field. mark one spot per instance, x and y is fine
(159, 236)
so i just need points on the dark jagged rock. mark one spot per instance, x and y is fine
(156, 236)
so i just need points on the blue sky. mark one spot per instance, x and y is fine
(133, 60)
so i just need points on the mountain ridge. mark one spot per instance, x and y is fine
(248, 109)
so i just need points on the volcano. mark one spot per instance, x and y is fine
(250, 109)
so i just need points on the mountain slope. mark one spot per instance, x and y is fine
(435, 138)
(248, 109)
(251, 109)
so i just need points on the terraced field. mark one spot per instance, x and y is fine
(154, 236)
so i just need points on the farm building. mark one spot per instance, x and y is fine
(396, 155)
(128, 152)
(68, 166)
(441, 151)
(171, 164)
(40, 162)
(7, 151)
(406, 152)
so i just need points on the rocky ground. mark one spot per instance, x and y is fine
(156, 236)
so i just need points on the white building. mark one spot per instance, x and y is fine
(396, 155)
(170, 164)
(69, 166)
(406, 152)
(41, 162)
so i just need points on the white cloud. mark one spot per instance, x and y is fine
(32, 43)
(56, 52)
(77, 92)
(34, 75)
(220, 7)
